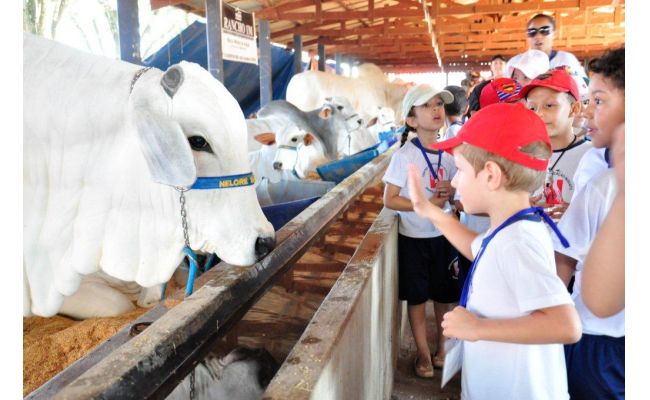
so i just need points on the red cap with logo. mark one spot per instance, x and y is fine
(501, 90)
(503, 129)
(556, 79)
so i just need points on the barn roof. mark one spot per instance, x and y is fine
(423, 35)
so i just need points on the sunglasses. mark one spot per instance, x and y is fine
(544, 30)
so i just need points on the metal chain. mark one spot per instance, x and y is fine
(192, 388)
(186, 236)
(184, 216)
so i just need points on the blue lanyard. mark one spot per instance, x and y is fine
(456, 123)
(607, 159)
(529, 214)
(417, 143)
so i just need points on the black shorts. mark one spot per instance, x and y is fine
(426, 270)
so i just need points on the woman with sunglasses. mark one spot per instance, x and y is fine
(541, 33)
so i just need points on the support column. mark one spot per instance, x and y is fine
(265, 63)
(128, 25)
(338, 58)
(213, 32)
(297, 54)
(321, 56)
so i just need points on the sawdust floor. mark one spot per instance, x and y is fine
(408, 386)
(51, 344)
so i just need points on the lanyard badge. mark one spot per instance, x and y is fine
(435, 175)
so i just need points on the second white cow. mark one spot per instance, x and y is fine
(308, 90)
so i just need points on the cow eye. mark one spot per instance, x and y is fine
(294, 139)
(339, 108)
(199, 143)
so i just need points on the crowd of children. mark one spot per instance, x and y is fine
(537, 308)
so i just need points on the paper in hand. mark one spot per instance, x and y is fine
(453, 360)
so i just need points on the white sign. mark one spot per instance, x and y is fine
(238, 35)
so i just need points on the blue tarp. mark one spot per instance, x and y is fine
(242, 80)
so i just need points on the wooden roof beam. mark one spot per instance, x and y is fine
(523, 7)
(385, 12)
(274, 13)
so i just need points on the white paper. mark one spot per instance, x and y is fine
(453, 360)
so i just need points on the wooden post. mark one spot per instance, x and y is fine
(297, 55)
(321, 56)
(213, 32)
(265, 63)
(337, 57)
(129, 30)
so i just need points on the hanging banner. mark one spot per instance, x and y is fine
(238, 35)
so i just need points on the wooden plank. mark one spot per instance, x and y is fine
(297, 377)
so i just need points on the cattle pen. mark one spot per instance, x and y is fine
(173, 340)
(324, 299)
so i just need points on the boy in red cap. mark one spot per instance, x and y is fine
(514, 311)
(554, 96)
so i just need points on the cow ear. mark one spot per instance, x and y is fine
(325, 112)
(172, 80)
(308, 139)
(165, 147)
(266, 138)
(371, 122)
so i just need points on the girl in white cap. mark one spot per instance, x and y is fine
(426, 259)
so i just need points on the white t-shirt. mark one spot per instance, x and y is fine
(515, 276)
(561, 170)
(592, 163)
(410, 224)
(452, 131)
(579, 225)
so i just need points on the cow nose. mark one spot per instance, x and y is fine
(263, 246)
(277, 165)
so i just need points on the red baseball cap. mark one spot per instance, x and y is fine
(503, 129)
(501, 90)
(557, 79)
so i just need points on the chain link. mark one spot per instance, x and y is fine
(184, 216)
(192, 387)
(186, 236)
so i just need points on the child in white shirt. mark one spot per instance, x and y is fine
(515, 312)
(425, 257)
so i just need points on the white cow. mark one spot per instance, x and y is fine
(308, 90)
(299, 153)
(242, 374)
(107, 144)
(382, 121)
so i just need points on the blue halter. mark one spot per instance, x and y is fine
(201, 183)
(224, 182)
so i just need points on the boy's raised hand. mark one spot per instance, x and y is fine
(461, 324)
(421, 205)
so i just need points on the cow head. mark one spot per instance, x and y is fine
(384, 120)
(298, 151)
(189, 126)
